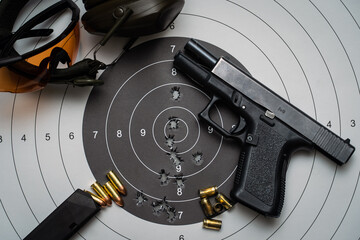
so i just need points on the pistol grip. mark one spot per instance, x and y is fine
(261, 173)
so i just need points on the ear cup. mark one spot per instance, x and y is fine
(92, 3)
(149, 16)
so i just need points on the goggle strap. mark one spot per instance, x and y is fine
(44, 32)
(32, 33)
(39, 18)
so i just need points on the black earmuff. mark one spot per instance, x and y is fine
(148, 16)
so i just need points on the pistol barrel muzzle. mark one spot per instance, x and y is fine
(202, 55)
(192, 69)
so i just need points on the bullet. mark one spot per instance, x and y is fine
(115, 196)
(208, 192)
(101, 192)
(97, 199)
(212, 224)
(116, 182)
(207, 207)
(224, 201)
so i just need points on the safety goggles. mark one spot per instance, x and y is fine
(32, 70)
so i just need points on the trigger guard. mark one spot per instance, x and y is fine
(205, 115)
(239, 127)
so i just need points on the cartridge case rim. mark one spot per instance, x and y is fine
(218, 207)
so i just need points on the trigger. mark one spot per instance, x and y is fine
(239, 127)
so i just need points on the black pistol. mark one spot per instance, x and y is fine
(269, 129)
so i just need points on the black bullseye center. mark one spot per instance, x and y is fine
(148, 132)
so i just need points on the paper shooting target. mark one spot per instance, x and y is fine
(143, 124)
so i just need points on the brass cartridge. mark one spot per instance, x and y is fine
(224, 201)
(207, 207)
(115, 196)
(212, 224)
(208, 192)
(116, 182)
(101, 192)
(218, 207)
(97, 199)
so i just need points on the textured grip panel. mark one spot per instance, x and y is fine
(263, 165)
(333, 146)
(260, 177)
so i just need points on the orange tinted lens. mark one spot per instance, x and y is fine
(16, 83)
(70, 44)
(30, 78)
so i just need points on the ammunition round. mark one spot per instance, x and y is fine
(218, 207)
(115, 196)
(208, 192)
(101, 192)
(99, 200)
(224, 201)
(206, 206)
(116, 182)
(212, 224)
